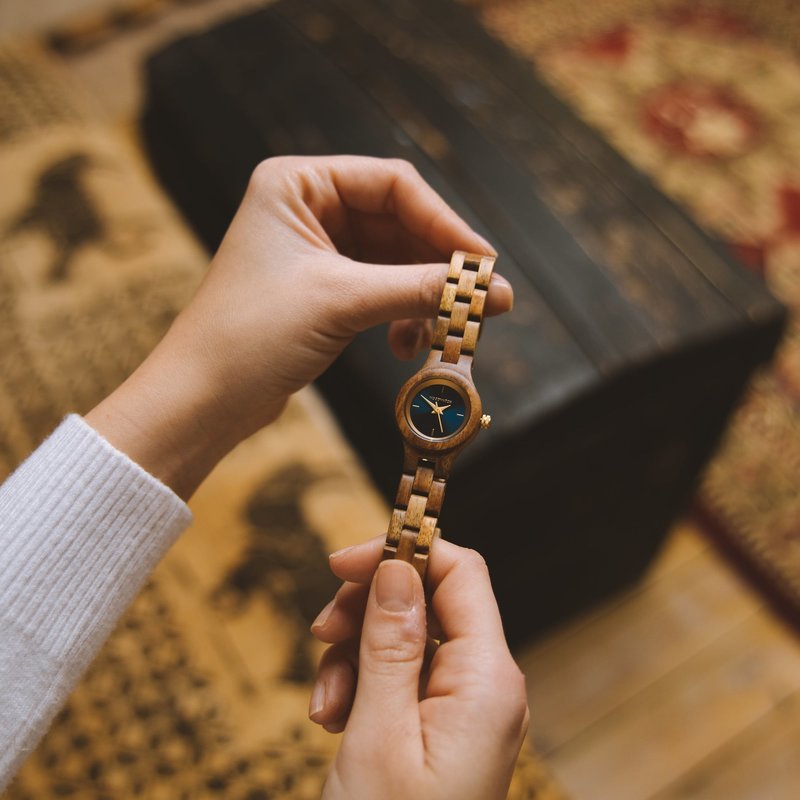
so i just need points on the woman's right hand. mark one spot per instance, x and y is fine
(420, 719)
(320, 249)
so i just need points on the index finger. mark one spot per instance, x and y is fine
(393, 186)
(458, 579)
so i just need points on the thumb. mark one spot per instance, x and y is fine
(392, 648)
(412, 291)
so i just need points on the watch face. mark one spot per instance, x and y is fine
(438, 410)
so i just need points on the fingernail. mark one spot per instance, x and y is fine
(317, 702)
(498, 282)
(487, 247)
(424, 337)
(341, 552)
(394, 587)
(323, 615)
(334, 727)
(419, 342)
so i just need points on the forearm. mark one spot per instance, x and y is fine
(81, 527)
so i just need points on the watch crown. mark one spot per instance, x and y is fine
(486, 421)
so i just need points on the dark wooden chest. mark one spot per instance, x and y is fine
(632, 336)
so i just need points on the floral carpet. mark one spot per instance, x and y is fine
(704, 98)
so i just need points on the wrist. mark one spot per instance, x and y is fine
(168, 417)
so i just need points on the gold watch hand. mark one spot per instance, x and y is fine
(439, 417)
(432, 405)
(435, 406)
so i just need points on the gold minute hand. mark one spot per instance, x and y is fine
(432, 405)
(435, 406)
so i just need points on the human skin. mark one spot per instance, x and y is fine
(319, 250)
(436, 719)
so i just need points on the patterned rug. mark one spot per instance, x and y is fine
(202, 691)
(704, 98)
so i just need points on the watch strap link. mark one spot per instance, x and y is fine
(458, 324)
(414, 523)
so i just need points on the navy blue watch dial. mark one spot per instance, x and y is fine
(438, 411)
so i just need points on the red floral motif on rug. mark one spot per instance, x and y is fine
(701, 119)
(705, 99)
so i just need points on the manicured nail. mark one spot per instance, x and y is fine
(419, 342)
(323, 615)
(424, 337)
(486, 246)
(500, 286)
(394, 587)
(341, 552)
(334, 727)
(317, 702)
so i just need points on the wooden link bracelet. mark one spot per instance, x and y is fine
(414, 522)
(458, 325)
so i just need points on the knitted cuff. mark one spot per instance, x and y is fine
(81, 527)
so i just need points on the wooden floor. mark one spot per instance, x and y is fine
(686, 687)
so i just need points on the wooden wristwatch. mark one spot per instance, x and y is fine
(439, 411)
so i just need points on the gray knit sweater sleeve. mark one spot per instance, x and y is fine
(81, 527)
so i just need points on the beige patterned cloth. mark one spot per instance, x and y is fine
(203, 689)
(93, 261)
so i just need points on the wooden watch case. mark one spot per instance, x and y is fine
(444, 451)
